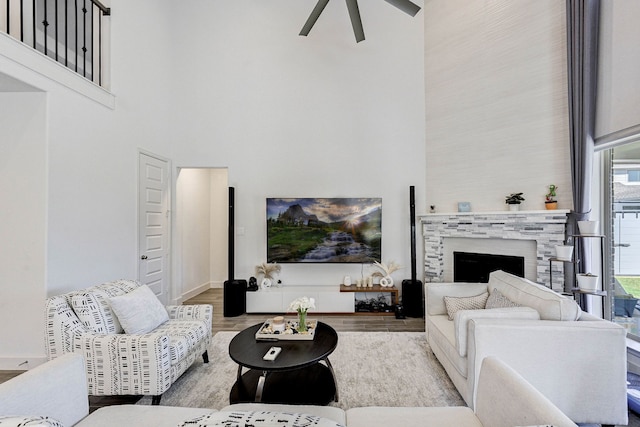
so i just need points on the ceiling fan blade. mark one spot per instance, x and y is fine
(406, 6)
(356, 22)
(315, 14)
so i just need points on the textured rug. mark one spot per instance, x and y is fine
(372, 369)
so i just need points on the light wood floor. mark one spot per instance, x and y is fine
(351, 322)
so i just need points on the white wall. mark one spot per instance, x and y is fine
(235, 87)
(290, 116)
(23, 188)
(496, 103)
(193, 193)
(219, 227)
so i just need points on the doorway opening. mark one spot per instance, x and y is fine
(202, 218)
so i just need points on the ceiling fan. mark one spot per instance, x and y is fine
(406, 6)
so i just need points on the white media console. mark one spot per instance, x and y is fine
(328, 299)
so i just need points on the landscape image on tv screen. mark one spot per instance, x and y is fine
(327, 230)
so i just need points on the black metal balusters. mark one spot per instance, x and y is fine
(87, 25)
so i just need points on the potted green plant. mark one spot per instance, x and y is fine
(514, 200)
(550, 201)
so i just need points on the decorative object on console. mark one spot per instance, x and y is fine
(386, 280)
(278, 324)
(550, 201)
(267, 270)
(253, 284)
(587, 282)
(347, 280)
(588, 228)
(302, 305)
(464, 207)
(514, 200)
(324, 230)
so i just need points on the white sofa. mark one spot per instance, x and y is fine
(55, 393)
(132, 344)
(575, 359)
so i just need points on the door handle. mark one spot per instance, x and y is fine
(143, 257)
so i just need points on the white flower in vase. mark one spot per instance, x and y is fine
(302, 305)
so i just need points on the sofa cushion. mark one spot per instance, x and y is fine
(452, 416)
(93, 310)
(550, 305)
(497, 300)
(454, 304)
(92, 307)
(331, 412)
(461, 321)
(184, 336)
(140, 415)
(139, 311)
(259, 419)
(29, 421)
(442, 334)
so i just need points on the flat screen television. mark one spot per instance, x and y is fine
(324, 230)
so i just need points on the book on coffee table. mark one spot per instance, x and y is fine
(290, 333)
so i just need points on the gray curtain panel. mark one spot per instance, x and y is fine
(583, 18)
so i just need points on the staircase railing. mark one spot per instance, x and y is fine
(68, 31)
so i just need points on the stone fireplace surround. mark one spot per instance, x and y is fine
(546, 228)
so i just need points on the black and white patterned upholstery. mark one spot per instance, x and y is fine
(29, 421)
(258, 419)
(119, 363)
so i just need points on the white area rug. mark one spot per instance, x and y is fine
(372, 369)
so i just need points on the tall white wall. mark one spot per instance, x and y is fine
(291, 116)
(23, 188)
(496, 103)
(230, 84)
(193, 193)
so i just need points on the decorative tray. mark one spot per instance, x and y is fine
(290, 333)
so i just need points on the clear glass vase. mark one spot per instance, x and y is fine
(302, 320)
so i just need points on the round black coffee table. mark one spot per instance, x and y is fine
(295, 377)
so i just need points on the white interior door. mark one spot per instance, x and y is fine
(154, 224)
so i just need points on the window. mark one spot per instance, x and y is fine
(621, 176)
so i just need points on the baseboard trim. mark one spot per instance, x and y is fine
(200, 289)
(20, 363)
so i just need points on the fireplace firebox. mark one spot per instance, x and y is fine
(476, 267)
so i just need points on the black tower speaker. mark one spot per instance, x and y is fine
(231, 236)
(412, 292)
(235, 291)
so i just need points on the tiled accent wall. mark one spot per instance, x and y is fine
(547, 228)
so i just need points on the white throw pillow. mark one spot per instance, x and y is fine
(139, 311)
(497, 300)
(259, 419)
(455, 304)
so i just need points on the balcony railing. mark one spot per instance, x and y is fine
(68, 31)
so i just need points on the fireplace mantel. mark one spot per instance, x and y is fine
(545, 227)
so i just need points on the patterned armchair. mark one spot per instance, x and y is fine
(119, 363)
